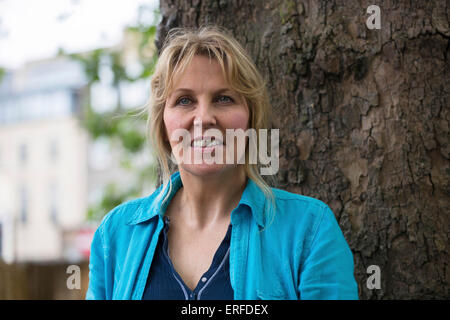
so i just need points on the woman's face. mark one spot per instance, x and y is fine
(199, 109)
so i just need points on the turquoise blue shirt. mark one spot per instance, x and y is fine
(299, 252)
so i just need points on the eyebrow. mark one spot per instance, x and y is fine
(192, 91)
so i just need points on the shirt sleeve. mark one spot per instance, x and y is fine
(96, 289)
(327, 271)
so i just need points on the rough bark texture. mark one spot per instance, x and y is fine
(364, 122)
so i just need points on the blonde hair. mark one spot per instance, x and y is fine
(180, 46)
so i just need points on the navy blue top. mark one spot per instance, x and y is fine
(164, 283)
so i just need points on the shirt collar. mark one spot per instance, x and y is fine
(253, 197)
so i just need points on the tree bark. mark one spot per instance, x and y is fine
(364, 122)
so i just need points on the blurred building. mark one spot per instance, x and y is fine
(50, 169)
(43, 158)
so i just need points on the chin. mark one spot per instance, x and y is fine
(206, 170)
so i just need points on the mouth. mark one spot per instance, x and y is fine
(206, 142)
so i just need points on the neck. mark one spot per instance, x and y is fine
(207, 200)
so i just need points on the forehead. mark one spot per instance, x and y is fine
(200, 73)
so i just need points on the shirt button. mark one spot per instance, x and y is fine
(204, 279)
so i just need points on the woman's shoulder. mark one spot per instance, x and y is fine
(288, 198)
(298, 216)
(298, 209)
(129, 210)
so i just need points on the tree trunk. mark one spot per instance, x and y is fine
(364, 122)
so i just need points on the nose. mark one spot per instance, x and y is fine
(205, 115)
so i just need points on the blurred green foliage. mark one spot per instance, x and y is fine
(2, 74)
(125, 126)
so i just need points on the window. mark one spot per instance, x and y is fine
(23, 154)
(53, 150)
(53, 200)
(76, 102)
(23, 196)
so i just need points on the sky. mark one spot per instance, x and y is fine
(35, 29)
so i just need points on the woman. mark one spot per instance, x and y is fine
(215, 229)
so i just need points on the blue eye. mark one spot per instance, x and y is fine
(182, 100)
(227, 99)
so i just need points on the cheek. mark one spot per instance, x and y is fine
(167, 122)
(238, 120)
(166, 125)
(172, 122)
